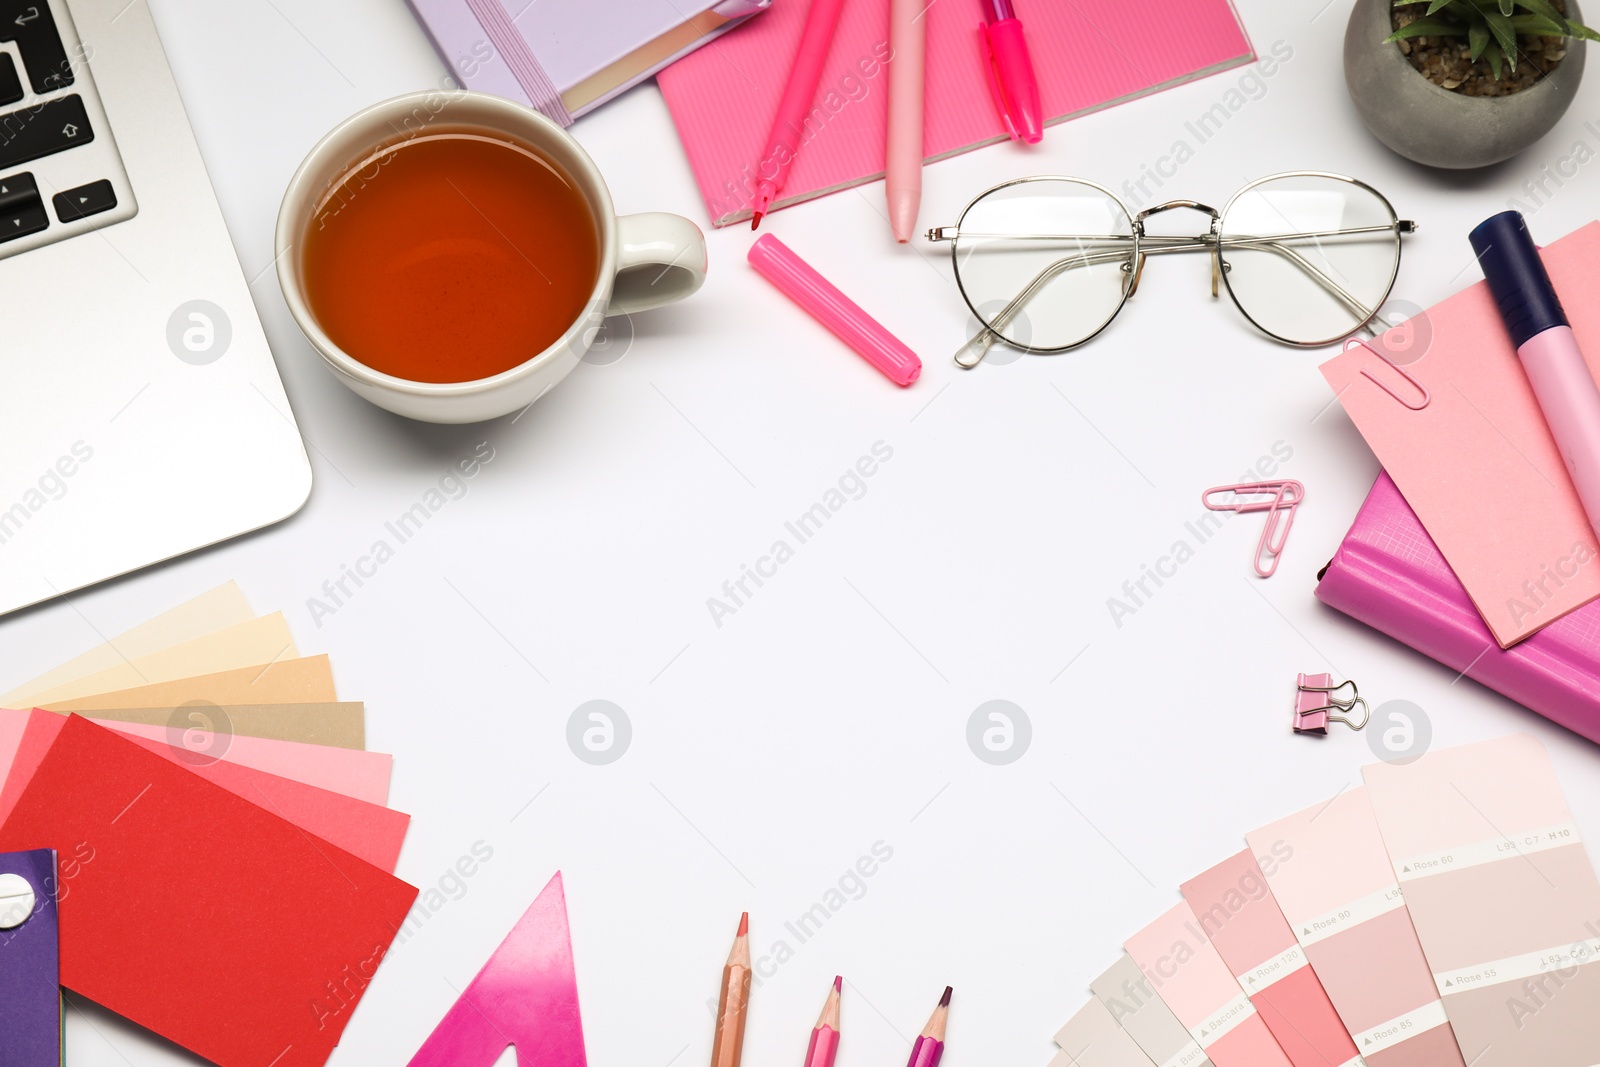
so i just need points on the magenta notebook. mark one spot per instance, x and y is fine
(1389, 574)
(1089, 54)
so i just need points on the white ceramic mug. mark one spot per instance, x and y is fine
(645, 260)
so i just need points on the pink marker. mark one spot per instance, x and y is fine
(1550, 357)
(1011, 75)
(819, 298)
(798, 94)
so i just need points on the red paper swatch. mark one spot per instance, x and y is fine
(197, 914)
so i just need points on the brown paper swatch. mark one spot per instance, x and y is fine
(338, 724)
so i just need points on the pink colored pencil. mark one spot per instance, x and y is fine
(825, 1038)
(930, 1043)
(908, 34)
(789, 123)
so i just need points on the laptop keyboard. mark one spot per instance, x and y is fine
(60, 173)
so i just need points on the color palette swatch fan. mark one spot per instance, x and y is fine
(198, 757)
(1445, 913)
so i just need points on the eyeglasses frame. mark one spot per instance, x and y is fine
(1145, 244)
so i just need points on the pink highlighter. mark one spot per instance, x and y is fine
(822, 300)
(1550, 357)
(1011, 75)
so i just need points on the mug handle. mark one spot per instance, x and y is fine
(661, 258)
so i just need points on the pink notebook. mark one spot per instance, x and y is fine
(1390, 575)
(1089, 54)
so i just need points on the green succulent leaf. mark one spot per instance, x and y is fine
(1479, 37)
(1436, 6)
(1546, 9)
(1581, 32)
(1495, 58)
(1508, 7)
(1534, 26)
(1505, 35)
(1425, 27)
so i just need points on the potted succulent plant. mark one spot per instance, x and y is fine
(1463, 83)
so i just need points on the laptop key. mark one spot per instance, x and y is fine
(19, 220)
(10, 84)
(32, 132)
(85, 200)
(17, 189)
(30, 24)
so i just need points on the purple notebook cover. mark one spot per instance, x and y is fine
(30, 974)
(1389, 574)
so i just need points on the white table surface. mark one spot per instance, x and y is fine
(830, 712)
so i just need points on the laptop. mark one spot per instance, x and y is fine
(141, 413)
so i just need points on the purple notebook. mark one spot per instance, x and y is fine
(565, 57)
(30, 973)
(1389, 574)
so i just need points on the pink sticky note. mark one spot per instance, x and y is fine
(1477, 463)
(1192, 980)
(526, 995)
(363, 775)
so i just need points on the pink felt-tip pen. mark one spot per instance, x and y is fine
(795, 104)
(821, 299)
(1561, 381)
(1011, 75)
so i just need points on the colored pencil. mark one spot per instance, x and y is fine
(734, 1003)
(930, 1043)
(908, 33)
(789, 124)
(825, 1038)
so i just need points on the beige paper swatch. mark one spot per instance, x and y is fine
(288, 681)
(207, 613)
(338, 725)
(254, 643)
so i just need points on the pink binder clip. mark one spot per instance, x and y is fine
(1278, 499)
(1317, 702)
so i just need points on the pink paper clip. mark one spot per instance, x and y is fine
(1278, 499)
(1315, 704)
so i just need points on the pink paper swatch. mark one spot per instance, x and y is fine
(363, 775)
(1331, 878)
(1236, 911)
(1504, 898)
(1191, 978)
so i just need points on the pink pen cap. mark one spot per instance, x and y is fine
(821, 299)
(1011, 76)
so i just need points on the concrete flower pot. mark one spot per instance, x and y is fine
(1435, 126)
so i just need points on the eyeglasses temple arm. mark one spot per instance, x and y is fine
(973, 352)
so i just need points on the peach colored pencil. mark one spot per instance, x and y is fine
(734, 1004)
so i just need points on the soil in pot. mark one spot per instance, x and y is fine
(1448, 62)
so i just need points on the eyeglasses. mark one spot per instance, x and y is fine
(1046, 263)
